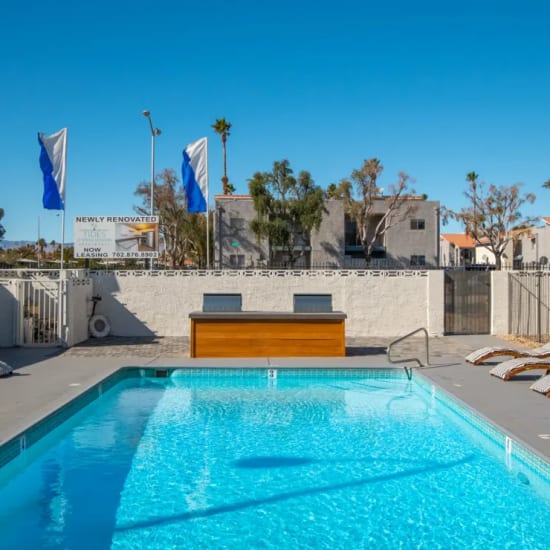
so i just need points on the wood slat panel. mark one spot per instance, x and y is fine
(267, 338)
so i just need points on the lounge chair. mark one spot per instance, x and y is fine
(5, 369)
(542, 385)
(481, 355)
(507, 369)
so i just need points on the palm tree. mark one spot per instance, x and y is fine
(41, 244)
(471, 177)
(222, 127)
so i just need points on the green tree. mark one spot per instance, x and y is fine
(196, 247)
(2, 230)
(546, 184)
(491, 214)
(287, 209)
(56, 254)
(182, 232)
(333, 192)
(26, 252)
(222, 127)
(41, 244)
(373, 209)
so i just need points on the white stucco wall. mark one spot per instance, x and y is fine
(377, 303)
(384, 303)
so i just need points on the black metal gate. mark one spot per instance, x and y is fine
(467, 302)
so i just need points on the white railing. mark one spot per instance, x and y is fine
(40, 313)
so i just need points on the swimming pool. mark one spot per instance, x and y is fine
(273, 459)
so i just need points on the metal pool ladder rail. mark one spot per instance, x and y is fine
(408, 370)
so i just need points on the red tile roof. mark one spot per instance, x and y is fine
(461, 240)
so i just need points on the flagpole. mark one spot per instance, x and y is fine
(38, 242)
(62, 236)
(62, 278)
(207, 213)
(64, 204)
(53, 163)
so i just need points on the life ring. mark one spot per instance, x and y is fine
(99, 326)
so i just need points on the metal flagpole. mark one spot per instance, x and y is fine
(38, 242)
(64, 202)
(62, 234)
(62, 283)
(207, 212)
(62, 279)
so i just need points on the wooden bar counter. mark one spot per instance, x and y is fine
(263, 334)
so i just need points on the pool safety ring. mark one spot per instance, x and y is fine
(99, 326)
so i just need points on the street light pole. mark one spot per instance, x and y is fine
(154, 132)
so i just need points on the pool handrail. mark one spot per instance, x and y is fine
(408, 370)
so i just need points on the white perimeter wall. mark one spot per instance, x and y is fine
(377, 303)
(144, 303)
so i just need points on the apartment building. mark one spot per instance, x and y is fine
(413, 241)
(533, 244)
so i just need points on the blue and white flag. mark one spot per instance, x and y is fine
(53, 162)
(195, 175)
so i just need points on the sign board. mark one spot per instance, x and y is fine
(118, 237)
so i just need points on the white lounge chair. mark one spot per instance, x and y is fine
(542, 385)
(483, 354)
(5, 369)
(507, 369)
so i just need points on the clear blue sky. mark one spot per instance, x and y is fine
(436, 89)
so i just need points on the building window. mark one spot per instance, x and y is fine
(418, 260)
(236, 261)
(351, 238)
(236, 224)
(418, 224)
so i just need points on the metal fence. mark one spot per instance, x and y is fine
(526, 266)
(530, 305)
(40, 316)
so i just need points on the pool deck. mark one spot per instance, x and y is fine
(46, 378)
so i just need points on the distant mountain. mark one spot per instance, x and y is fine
(14, 244)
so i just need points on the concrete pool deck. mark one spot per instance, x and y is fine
(46, 378)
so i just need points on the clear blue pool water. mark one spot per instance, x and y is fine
(311, 461)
